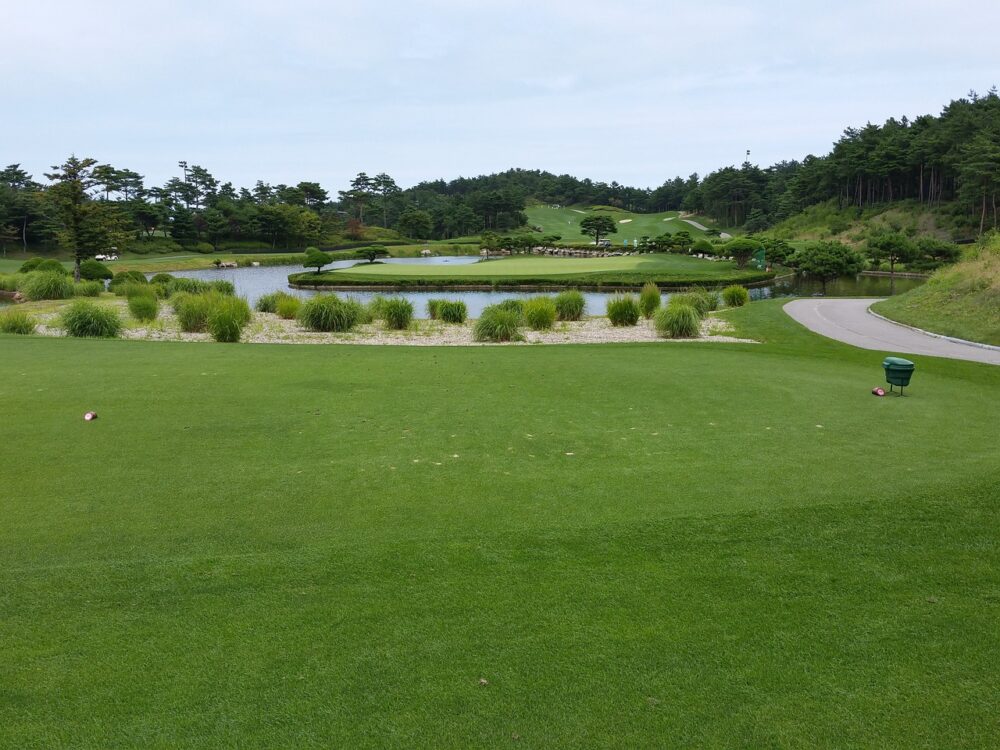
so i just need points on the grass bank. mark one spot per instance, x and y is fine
(661, 268)
(961, 300)
(631, 545)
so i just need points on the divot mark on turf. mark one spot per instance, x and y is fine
(571, 454)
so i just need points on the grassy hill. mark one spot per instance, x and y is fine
(565, 221)
(825, 221)
(961, 300)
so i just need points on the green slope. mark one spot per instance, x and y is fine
(565, 221)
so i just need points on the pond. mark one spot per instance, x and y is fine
(252, 283)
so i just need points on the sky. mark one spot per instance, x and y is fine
(637, 92)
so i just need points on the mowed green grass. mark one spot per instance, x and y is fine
(632, 545)
(565, 221)
(661, 267)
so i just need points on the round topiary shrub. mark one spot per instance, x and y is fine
(735, 296)
(52, 265)
(677, 322)
(85, 319)
(570, 305)
(17, 321)
(498, 323)
(329, 313)
(623, 310)
(143, 306)
(94, 270)
(226, 318)
(41, 285)
(397, 313)
(124, 278)
(452, 311)
(649, 299)
(540, 313)
(288, 307)
(162, 278)
(30, 265)
(88, 289)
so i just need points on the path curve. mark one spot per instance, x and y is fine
(848, 320)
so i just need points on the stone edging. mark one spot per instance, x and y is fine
(952, 339)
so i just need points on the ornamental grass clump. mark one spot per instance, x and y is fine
(226, 318)
(540, 313)
(329, 313)
(433, 308)
(451, 311)
(570, 305)
(124, 279)
(86, 319)
(691, 299)
(735, 296)
(88, 289)
(40, 285)
(513, 305)
(397, 313)
(677, 322)
(191, 286)
(376, 308)
(17, 321)
(649, 299)
(498, 323)
(11, 282)
(192, 311)
(623, 310)
(143, 307)
(268, 303)
(288, 307)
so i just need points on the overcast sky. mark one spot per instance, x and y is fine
(630, 91)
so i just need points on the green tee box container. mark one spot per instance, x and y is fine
(898, 371)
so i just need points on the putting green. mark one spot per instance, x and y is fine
(565, 221)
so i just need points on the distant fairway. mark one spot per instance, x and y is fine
(566, 223)
(661, 268)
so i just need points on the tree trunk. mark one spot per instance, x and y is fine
(982, 216)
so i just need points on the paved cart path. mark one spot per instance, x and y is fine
(848, 320)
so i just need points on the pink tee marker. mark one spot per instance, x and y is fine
(90, 416)
(877, 391)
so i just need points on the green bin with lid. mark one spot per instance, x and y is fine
(898, 371)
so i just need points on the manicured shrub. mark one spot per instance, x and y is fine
(677, 322)
(735, 296)
(452, 311)
(94, 270)
(268, 303)
(498, 323)
(288, 307)
(570, 305)
(327, 312)
(30, 265)
(40, 285)
(433, 308)
(87, 319)
(162, 278)
(226, 318)
(88, 289)
(649, 299)
(397, 313)
(17, 321)
(192, 311)
(51, 265)
(143, 306)
(540, 313)
(123, 278)
(623, 310)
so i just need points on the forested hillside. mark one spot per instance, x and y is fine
(947, 164)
